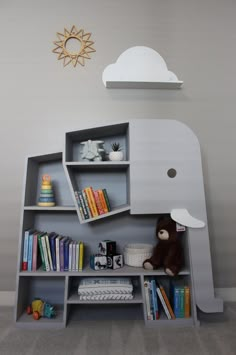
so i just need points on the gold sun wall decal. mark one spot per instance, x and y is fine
(74, 46)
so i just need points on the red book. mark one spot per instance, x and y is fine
(98, 202)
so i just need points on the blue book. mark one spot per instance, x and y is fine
(154, 300)
(30, 252)
(52, 236)
(66, 255)
(26, 249)
(61, 251)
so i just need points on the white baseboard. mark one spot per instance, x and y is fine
(7, 298)
(227, 294)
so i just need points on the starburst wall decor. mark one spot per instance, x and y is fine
(74, 46)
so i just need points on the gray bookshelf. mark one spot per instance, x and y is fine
(139, 190)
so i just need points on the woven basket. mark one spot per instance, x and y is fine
(135, 254)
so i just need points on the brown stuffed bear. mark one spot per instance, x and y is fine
(168, 252)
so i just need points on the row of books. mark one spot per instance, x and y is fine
(92, 203)
(51, 250)
(178, 306)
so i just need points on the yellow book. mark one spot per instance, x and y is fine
(81, 256)
(91, 201)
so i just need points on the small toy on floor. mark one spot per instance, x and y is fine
(39, 309)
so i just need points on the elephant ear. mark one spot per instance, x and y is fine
(182, 216)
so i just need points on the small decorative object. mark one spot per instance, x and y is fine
(39, 309)
(168, 252)
(116, 154)
(93, 150)
(135, 254)
(46, 198)
(115, 261)
(73, 46)
(107, 247)
(98, 262)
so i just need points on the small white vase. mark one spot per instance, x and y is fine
(116, 156)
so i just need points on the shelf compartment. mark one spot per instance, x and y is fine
(50, 290)
(101, 312)
(115, 179)
(73, 297)
(50, 164)
(165, 282)
(27, 321)
(109, 134)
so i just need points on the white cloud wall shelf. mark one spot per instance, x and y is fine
(140, 68)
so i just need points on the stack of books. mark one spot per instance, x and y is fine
(92, 203)
(178, 306)
(51, 250)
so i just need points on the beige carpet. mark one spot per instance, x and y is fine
(216, 336)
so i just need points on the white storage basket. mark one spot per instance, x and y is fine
(135, 254)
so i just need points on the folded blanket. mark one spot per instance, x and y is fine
(106, 297)
(105, 285)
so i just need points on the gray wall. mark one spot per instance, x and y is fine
(40, 100)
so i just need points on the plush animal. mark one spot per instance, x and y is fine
(168, 253)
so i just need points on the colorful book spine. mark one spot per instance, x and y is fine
(30, 252)
(147, 299)
(167, 302)
(163, 302)
(178, 300)
(182, 302)
(103, 201)
(187, 301)
(45, 253)
(62, 244)
(106, 199)
(58, 252)
(86, 203)
(151, 300)
(73, 256)
(49, 252)
(91, 201)
(35, 252)
(81, 256)
(82, 203)
(25, 250)
(79, 204)
(66, 255)
(77, 257)
(41, 251)
(98, 202)
(70, 255)
(154, 300)
(52, 238)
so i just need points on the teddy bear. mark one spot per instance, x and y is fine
(168, 253)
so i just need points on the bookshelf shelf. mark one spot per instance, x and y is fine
(52, 209)
(98, 165)
(74, 299)
(139, 190)
(87, 271)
